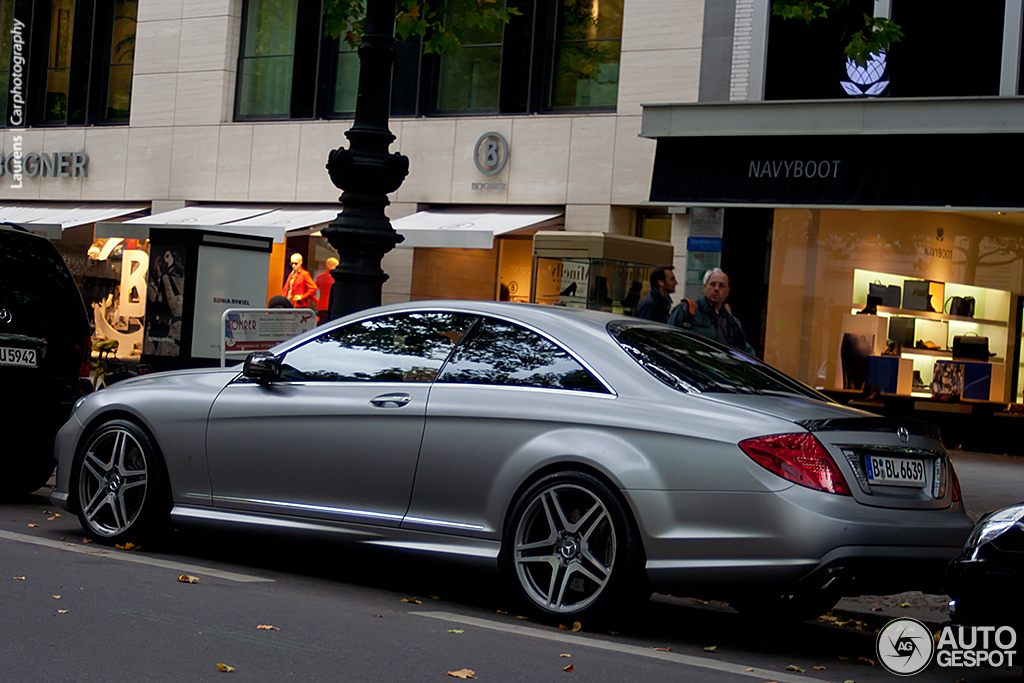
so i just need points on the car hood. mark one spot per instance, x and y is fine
(175, 377)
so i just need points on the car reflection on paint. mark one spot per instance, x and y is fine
(591, 457)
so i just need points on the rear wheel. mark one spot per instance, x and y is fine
(120, 484)
(572, 549)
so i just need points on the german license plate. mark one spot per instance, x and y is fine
(21, 357)
(887, 471)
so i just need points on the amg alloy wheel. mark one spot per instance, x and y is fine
(571, 546)
(120, 487)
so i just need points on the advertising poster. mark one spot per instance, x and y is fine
(165, 294)
(226, 278)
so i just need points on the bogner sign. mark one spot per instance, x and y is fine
(18, 166)
(927, 170)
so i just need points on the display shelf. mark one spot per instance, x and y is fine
(932, 315)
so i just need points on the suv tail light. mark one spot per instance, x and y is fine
(800, 458)
(85, 369)
(957, 495)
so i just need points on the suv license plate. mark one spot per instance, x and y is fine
(20, 357)
(885, 471)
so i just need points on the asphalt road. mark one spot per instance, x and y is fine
(76, 611)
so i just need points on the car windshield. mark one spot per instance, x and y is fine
(694, 364)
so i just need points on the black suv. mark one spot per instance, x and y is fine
(44, 350)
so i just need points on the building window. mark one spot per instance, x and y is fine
(346, 80)
(6, 38)
(470, 80)
(122, 61)
(267, 61)
(586, 55)
(58, 66)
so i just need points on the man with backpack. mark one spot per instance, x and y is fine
(709, 316)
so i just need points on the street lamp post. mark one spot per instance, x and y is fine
(366, 173)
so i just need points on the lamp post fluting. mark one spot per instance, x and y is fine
(366, 173)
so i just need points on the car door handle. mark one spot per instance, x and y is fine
(398, 399)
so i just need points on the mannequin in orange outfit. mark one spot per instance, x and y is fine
(299, 287)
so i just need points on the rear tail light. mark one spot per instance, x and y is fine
(957, 496)
(85, 370)
(800, 458)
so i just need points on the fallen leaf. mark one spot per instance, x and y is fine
(379, 616)
(19, 578)
(576, 626)
(501, 611)
(456, 630)
(961, 680)
(185, 578)
(267, 627)
(56, 597)
(710, 648)
(95, 552)
(433, 597)
(876, 609)
(748, 669)
(86, 540)
(225, 668)
(569, 668)
(793, 667)
(463, 673)
(56, 514)
(844, 659)
(613, 633)
(819, 668)
(33, 526)
(563, 627)
(62, 611)
(565, 655)
(50, 519)
(521, 617)
(905, 604)
(412, 600)
(662, 649)
(127, 546)
(849, 680)
(865, 660)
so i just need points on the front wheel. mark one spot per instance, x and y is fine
(120, 483)
(572, 548)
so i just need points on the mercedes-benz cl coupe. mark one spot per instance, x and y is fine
(590, 457)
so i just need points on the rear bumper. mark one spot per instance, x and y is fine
(724, 542)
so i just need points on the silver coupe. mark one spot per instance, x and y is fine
(591, 457)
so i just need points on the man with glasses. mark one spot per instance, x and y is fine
(710, 317)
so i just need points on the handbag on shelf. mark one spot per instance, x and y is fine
(962, 306)
(923, 295)
(889, 294)
(970, 347)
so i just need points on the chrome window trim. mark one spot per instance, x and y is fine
(444, 524)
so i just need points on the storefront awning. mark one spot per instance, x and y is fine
(272, 221)
(469, 230)
(64, 216)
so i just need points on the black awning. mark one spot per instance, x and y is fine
(973, 171)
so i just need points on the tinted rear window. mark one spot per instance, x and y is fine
(35, 281)
(694, 364)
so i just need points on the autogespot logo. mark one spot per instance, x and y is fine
(905, 647)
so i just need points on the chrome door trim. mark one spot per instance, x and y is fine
(304, 507)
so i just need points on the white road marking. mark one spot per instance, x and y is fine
(133, 557)
(578, 640)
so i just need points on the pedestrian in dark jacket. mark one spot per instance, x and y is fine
(657, 304)
(711, 317)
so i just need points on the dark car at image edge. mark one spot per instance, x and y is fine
(44, 347)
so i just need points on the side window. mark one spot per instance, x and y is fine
(502, 353)
(395, 348)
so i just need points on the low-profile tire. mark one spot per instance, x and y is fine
(120, 484)
(572, 550)
(791, 607)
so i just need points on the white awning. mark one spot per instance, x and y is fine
(465, 230)
(204, 215)
(65, 215)
(294, 218)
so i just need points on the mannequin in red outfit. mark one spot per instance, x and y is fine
(299, 287)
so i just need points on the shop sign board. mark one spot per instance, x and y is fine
(226, 278)
(704, 244)
(926, 170)
(244, 330)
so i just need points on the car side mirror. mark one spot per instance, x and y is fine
(262, 366)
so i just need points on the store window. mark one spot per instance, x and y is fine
(72, 64)
(346, 79)
(586, 54)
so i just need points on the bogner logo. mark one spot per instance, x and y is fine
(491, 153)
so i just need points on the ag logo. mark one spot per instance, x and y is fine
(491, 153)
(905, 647)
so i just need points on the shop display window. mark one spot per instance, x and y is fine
(596, 284)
